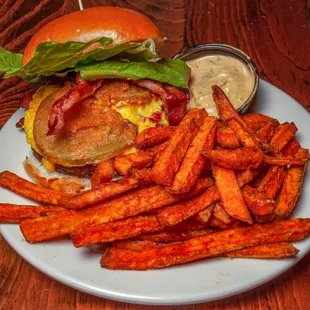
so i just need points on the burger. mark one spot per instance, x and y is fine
(97, 83)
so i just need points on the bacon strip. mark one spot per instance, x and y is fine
(71, 99)
(175, 101)
(27, 97)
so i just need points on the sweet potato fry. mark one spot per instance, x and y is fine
(206, 246)
(247, 139)
(272, 181)
(143, 175)
(142, 159)
(259, 175)
(261, 206)
(129, 204)
(170, 159)
(243, 158)
(172, 236)
(103, 173)
(30, 190)
(246, 136)
(118, 230)
(291, 148)
(230, 116)
(245, 176)
(226, 138)
(266, 132)
(257, 121)
(284, 161)
(137, 245)
(11, 213)
(230, 194)
(204, 215)
(103, 192)
(193, 161)
(220, 214)
(292, 186)
(153, 136)
(216, 223)
(181, 211)
(189, 224)
(271, 250)
(283, 134)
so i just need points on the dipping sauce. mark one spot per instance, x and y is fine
(228, 72)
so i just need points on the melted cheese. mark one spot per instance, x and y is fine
(30, 114)
(140, 114)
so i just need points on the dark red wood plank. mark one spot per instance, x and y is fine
(276, 34)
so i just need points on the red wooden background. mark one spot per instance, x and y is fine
(275, 33)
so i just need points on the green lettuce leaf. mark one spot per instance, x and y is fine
(171, 71)
(52, 57)
(96, 59)
(9, 62)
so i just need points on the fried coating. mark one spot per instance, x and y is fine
(91, 134)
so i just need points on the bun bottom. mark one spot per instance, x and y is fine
(82, 172)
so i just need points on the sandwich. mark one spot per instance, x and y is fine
(97, 82)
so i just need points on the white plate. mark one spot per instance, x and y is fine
(191, 283)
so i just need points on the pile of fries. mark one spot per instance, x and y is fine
(208, 187)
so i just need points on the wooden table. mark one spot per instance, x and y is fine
(275, 33)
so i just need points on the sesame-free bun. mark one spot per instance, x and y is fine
(122, 25)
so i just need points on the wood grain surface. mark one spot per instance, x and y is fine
(275, 33)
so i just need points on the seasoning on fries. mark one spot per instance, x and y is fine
(271, 250)
(11, 213)
(201, 189)
(260, 205)
(243, 158)
(174, 235)
(181, 211)
(102, 192)
(292, 186)
(130, 204)
(117, 230)
(230, 194)
(206, 246)
(103, 173)
(143, 159)
(30, 190)
(193, 161)
(226, 138)
(153, 136)
(170, 159)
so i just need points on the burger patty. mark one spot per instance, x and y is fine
(82, 172)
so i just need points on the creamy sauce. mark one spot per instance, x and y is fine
(229, 73)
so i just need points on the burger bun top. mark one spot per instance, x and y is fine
(122, 25)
